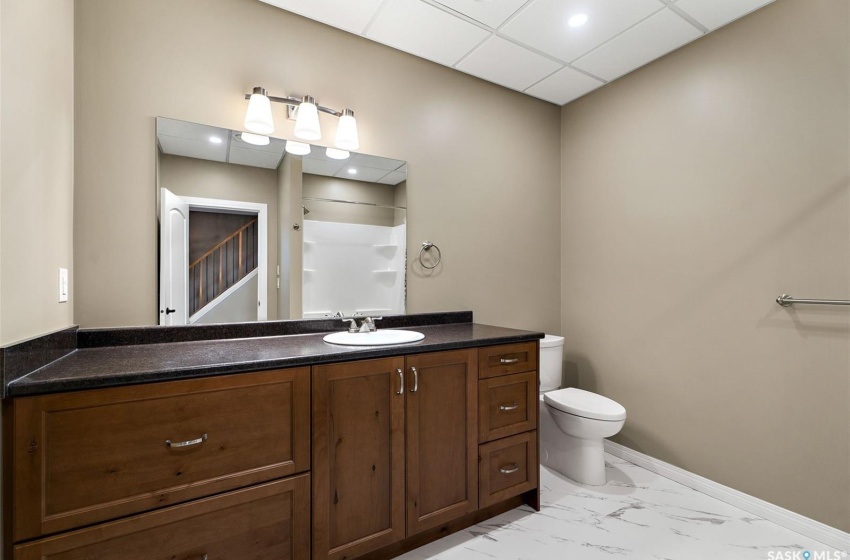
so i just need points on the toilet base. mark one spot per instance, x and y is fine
(582, 460)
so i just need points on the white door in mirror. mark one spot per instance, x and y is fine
(377, 338)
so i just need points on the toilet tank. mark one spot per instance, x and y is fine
(551, 362)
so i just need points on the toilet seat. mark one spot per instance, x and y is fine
(585, 404)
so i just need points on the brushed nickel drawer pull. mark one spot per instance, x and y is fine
(415, 380)
(509, 470)
(400, 382)
(513, 406)
(509, 360)
(189, 443)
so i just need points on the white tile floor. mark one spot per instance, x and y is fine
(638, 515)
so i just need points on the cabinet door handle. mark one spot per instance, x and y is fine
(508, 469)
(189, 443)
(415, 380)
(509, 360)
(400, 382)
(513, 406)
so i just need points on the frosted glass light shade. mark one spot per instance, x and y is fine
(258, 117)
(307, 122)
(334, 153)
(297, 148)
(346, 132)
(255, 139)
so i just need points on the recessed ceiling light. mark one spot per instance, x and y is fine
(334, 153)
(578, 20)
(255, 139)
(352, 171)
(215, 139)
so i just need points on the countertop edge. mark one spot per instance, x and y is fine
(24, 387)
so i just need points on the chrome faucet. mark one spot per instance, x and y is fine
(366, 326)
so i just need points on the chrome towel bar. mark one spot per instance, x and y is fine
(787, 301)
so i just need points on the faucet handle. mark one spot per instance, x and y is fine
(352, 324)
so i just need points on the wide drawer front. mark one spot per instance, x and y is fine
(506, 359)
(83, 458)
(269, 522)
(507, 468)
(507, 405)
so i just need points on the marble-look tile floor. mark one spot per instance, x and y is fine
(638, 515)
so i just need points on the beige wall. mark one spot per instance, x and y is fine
(202, 178)
(695, 191)
(36, 165)
(334, 188)
(290, 181)
(484, 174)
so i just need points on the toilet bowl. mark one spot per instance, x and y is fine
(573, 422)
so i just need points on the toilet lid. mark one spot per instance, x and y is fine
(586, 404)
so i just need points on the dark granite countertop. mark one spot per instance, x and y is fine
(89, 368)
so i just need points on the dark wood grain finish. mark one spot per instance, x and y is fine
(266, 522)
(508, 467)
(442, 438)
(507, 405)
(506, 359)
(83, 458)
(358, 457)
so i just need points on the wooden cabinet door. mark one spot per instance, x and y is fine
(358, 457)
(442, 437)
(265, 522)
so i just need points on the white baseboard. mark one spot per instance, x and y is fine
(816, 530)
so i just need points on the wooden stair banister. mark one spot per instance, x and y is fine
(222, 266)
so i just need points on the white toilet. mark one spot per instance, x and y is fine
(573, 422)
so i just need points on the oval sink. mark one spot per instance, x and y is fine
(377, 338)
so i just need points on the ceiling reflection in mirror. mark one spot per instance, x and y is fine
(253, 232)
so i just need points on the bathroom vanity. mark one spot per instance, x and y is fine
(269, 447)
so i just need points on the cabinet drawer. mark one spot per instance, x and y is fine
(507, 405)
(270, 521)
(506, 359)
(507, 467)
(82, 458)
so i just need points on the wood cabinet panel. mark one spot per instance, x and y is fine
(506, 359)
(358, 457)
(442, 438)
(82, 458)
(507, 405)
(508, 467)
(266, 522)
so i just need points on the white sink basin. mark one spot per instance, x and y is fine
(377, 338)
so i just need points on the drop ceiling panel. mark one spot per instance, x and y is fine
(423, 30)
(254, 158)
(542, 24)
(367, 174)
(326, 167)
(564, 86)
(516, 42)
(653, 37)
(199, 149)
(491, 14)
(349, 15)
(714, 13)
(393, 178)
(507, 64)
(375, 162)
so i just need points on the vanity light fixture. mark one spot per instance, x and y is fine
(259, 120)
(335, 153)
(255, 139)
(297, 148)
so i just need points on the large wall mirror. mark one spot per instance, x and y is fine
(253, 232)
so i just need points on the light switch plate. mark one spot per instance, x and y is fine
(63, 285)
